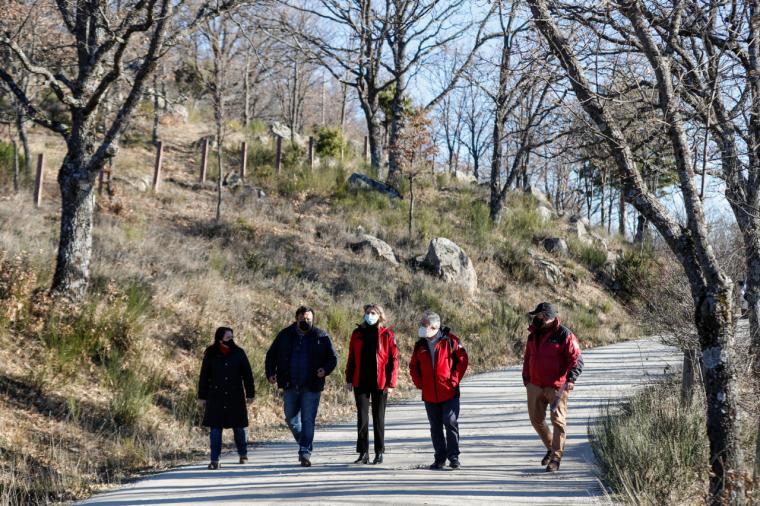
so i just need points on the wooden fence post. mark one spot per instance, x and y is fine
(366, 148)
(278, 155)
(243, 159)
(204, 159)
(311, 153)
(38, 180)
(157, 167)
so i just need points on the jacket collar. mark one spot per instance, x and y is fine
(544, 331)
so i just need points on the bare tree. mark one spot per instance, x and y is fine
(100, 37)
(711, 289)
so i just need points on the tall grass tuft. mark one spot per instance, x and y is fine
(652, 450)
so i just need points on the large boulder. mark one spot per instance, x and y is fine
(550, 270)
(465, 177)
(450, 263)
(378, 248)
(361, 182)
(545, 213)
(283, 131)
(577, 228)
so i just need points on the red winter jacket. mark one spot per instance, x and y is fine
(552, 356)
(439, 383)
(387, 358)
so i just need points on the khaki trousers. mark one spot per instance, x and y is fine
(538, 400)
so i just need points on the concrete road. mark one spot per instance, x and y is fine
(500, 451)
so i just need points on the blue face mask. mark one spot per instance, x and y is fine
(371, 319)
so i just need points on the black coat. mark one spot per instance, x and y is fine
(221, 386)
(320, 352)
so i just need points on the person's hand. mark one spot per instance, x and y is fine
(569, 387)
(202, 403)
(272, 379)
(349, 387)
(320, 373)
(389, 390)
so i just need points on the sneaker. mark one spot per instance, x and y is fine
(454, 463)
(553, 466)
(214, 465)
(438, 464)
(547, 458)
(243, 459)
(305, 462)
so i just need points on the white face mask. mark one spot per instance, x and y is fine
(422, 332)
(371, 318)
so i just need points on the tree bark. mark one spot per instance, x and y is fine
(72, 272)
(24, 138)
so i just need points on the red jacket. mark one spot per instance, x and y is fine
(387, 358)
(552, 356)
(439, 383)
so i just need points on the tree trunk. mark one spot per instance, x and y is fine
(72, 271)
(156, 111)
(375, 136)
(247, 93)
(16, 170)
(621, 215)
(24, 138)
(688, 377)
(642, 228)
(410, 224)
(752, 290)
(397, 124)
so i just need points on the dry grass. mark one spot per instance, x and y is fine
(98, 405)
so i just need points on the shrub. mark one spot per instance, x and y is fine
(329, 142)
(589, 255)
(134, 389)
(652, 450)
(635, 272)
(7, 164)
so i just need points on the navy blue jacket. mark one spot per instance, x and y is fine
(320, 352)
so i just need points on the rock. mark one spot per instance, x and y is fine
(379, 248)
(450, 263)
(142, 184)
(550, 270)
(284, 131)
(361, 182)
(541, 197)
(179, 111)
(231, 180)
(556, 245)
(465, 177)
(544, 213)
(577, 228)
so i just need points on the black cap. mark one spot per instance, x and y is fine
(545, 308)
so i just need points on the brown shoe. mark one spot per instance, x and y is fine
(243, 460)
(547, 458)
(553, 466)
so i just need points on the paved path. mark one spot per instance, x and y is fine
(500, 451)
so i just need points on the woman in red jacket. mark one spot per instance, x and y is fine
(371, 372)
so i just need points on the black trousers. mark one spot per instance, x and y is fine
(379, 400)
(444, 415)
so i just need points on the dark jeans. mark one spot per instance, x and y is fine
(440, 415)
(301, 415)
(241, 442)
(379, 400)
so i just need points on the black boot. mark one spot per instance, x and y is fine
(378, 458)
(363, 458)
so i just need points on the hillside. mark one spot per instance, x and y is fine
(96, 394)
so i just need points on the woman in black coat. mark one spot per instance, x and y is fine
(225, 390)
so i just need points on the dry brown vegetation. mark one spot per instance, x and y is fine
(98, 393)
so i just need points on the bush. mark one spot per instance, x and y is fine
(636, 272)
(652, 450)
(7, 165)
(134, 389)
(329, 142)
(589, 255)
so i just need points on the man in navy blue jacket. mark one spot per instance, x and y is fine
(298, 361)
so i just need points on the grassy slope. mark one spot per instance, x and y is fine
(96, 395)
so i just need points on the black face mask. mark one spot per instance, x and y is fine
(304, 326)
(231, 342)
(537, 322)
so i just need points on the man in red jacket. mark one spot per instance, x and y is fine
(438, 364)
(551, 365)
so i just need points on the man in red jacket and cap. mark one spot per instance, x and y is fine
(438, 364)
(551, 365)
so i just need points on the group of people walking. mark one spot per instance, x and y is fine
(302, 356)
